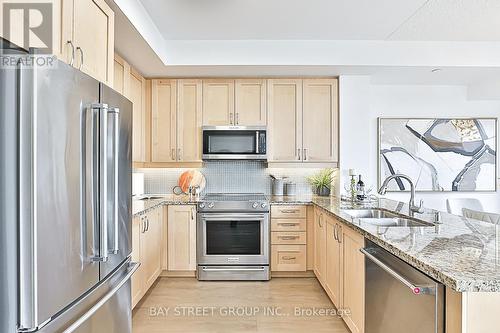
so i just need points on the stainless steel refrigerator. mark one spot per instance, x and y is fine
(65, 201)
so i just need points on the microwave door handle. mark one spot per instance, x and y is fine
(257, 142)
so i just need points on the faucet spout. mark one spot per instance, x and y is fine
(413, 208)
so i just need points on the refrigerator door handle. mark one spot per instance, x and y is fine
(132, 267)
(115, 113)
(101, 202)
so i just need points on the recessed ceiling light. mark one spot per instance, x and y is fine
(435, 70)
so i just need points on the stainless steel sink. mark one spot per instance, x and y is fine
(370, 213)
(383, 218)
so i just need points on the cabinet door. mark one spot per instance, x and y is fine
(138, 277)
(138, 99)
(121, 72)
(150, 247)
(163, 120)
(353, 279)
(181, 238)
(218, 102)
(284, 120)
(320, 120)
(189, 120)
(250, 102)
(93, 33)
(320, 248)
(333, 267)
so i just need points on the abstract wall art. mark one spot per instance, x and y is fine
(439, 154)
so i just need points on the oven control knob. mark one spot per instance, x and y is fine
(202, 205)
(255, 205)
(211, 205)
(263, 205)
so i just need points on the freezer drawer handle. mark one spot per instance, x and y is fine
(417, 290)
(259, 269)
(132, 267)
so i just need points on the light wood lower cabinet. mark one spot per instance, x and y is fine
(353, 278)
(288, 238)
(340, 267)
(333, 281)
(181, 238)
(320, 246)
(146, 249)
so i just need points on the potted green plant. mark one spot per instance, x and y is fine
(322, 182)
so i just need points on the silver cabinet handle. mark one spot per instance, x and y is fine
(288, 224)
(335, 232)
(78, 48)
(237, 121)
(417, 290)
(179, 154)
(132, 267)
(339, 235)
(289, 211)
(147, 224)
(192, 214)
(299, 154)
(115, 114)
(242, 269)
(172, 154)
(289, 258)
(288, 237)
(231, 120)
(70, 43)
(305, 154)
(319, 220)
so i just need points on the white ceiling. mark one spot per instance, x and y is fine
(423, 20)
(396, 41)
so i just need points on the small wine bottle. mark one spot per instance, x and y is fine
(360, 189)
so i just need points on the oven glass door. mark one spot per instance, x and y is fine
(229, 142)
(233, 239)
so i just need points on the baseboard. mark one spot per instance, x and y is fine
(306, 274)
(178, 274)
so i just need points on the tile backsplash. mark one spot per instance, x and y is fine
(229, 177)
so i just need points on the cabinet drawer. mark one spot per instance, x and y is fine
(284, 212)
(283, 237)
(288, 224)
(288, 258)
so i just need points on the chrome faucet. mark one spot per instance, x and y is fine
(413, 207)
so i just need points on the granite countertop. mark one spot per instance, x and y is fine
(143, 206)
(461, 253)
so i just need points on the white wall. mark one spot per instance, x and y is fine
(361, 103)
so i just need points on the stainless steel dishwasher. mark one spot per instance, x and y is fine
(398, 297)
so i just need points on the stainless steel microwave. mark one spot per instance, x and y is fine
(234, 143)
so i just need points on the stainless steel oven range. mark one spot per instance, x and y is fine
(233, 237)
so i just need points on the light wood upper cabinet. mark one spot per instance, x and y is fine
(250, 102)
(353, 279)
(320, 120)
(284, 120)
(93, 37)
(320, 259)
(189, 119)
(181, 238)
(218, 102)
(121, 72)
(164, 120)
(139, 126)
(333, 281)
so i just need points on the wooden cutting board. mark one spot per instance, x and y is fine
(191, 178)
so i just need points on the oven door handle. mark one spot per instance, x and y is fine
(231, 217)
(253, 269)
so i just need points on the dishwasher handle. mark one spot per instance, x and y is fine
(416, 289)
